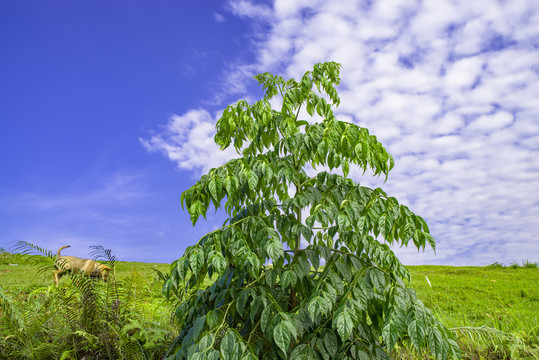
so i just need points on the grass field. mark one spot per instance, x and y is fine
(503, 298)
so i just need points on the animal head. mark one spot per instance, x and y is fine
(102, 271)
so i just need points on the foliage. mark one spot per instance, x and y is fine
(357, 306)
(83, 318)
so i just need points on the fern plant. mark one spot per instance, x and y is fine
(505, 345)
(83, 318)
(29, 332)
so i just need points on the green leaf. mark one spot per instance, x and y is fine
(275, 249)
(196, 260)
(343, 221)
(230, 184)
(343, 323)
(315, 307)
(265, 319)
(288, 278)
(214, 318)
(393, 328)
(385, 225)
(228, 347)
(430, 240)
(252, 180)
(436, 343)
(378, 279)
(249, 356)
(314, 258)
(344, 270)
(416, 331)
(362, 355)
(206, 341)
(303, 267)
(300, 352)
(310, 108)
(331, 344)
(345, 168)
(241, 299)
(198, 326)
(255, 307)
(282, 336)
(215, 189)
(419, 239)
(218, 262)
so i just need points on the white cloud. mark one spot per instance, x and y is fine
(249, 9)
(488, 123)
(450, 87)
(464, 72)
(187, 140)
(219, 18)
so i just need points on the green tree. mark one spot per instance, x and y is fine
(356, 306)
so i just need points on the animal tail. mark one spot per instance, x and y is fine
(60, 249)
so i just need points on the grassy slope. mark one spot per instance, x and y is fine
(18, 274)
(500, 297)
(503, 298)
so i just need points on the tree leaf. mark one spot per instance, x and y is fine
(362, 355)
(282, 336)
(300, 352)
(252, 180)
(344, 270)
(198, 326)
(303, 266)
(377, 279)
(218, 262)
(436, 343)
(241, 299)
(430, 240)
(315, 307)
(416, 331)
(343, 221)
(288, 278)
(275, 249)
(331, 344)
(227, 346)
(196, 260)
(343, 323)
(393, 328)
(215, 189)
(266, 318)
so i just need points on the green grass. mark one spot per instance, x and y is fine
(500, 297)
(503, 298)
(24, 274)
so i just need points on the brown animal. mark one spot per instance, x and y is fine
(75, 264)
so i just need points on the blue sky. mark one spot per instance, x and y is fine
(108, 110)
